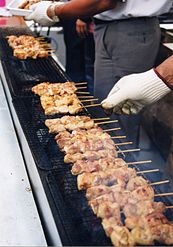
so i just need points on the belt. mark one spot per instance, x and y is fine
(99, 21)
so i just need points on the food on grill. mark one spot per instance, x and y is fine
(69, 123)
(26, 46)
(108, 177)
(81, 166)
(58, 98)
(27, 3)
(90, 155)
(61, 104)
(50, 89)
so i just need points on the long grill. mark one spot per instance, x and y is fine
(75, 220)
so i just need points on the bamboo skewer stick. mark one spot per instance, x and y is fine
(112, 129)
(129, 150)
(123, 143)
(85, 97)
(82, 92)
(118, 137)
(107, 122)
(139, 162)
(81, 83)
(158, 183)
(81, 87)
(169, 207)
(98, 119)
(93, 105)
(88, 100)
(147, 171)
(164, 194)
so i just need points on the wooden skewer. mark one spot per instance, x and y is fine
(98, 119)
(88, 100)
(107, 122)
(158, 183)
(92, 105)
(82, 92)
(81, 87)
(139, 162)
(123, 143)
(118, 137)
(169, 207)
(164, 194)
(81, 83)
(129, 150)
(148, 171)
(85, 97)
(112, 129)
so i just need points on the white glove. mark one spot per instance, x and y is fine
(131, 93)
(39, 13)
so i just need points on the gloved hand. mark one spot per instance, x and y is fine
(39, 13)
(131, 93)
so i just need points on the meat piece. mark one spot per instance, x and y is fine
(90, 155)
(108, 177)
(142, 193)
(136, 182)
(82, 166)
(142, 236)
(163, 233)
(120, 235)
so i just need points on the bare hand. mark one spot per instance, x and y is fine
(81, 28)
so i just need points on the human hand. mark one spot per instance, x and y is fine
(131, 93)
(39, 13)
(81, 28)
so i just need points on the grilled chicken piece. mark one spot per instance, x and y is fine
(135, 182)
(91, 145)
(108, 177)
(90, 155)
(96, 191)
(109, 209)
(82, 166)
(120, 235)
(69, 123)
(163, 233)
(143, 208)
(142, 193)
(142, 236)
(51, 89)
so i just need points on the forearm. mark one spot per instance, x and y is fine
(83, 8)
(165, 71)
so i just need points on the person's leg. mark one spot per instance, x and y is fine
(124, 47)
(89, 61)
(75, 63)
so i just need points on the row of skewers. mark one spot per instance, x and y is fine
(112, 187)
(26, 46)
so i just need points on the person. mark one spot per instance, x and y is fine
(133, 92)
(127, 34)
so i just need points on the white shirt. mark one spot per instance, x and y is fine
(136, 8)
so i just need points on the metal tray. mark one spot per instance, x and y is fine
(14, 10)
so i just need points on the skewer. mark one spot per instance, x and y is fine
(98, 119)
(83, 92)
(93, 105)
(118, 137)
(112, 129)
(80, 83)
(85, 97)
(107, 122)
(148, 171)
(167, 207)
(161, 182)
(123, 143)
(139, 162)
(81, 87)
(164, 194)
(88, 100)
(129, 150)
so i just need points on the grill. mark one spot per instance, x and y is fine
(75, 221)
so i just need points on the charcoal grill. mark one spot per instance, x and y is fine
(75, 221)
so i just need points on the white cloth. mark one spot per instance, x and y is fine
(136, 8)
(131, 93)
